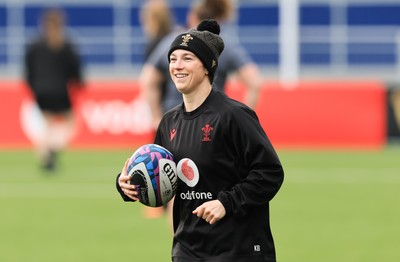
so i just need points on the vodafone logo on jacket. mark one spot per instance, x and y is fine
(188, 172)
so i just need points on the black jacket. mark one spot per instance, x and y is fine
(222, 153)
(49, 71)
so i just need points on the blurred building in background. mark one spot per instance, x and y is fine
(335, 38)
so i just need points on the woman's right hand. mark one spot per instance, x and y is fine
(123, 182)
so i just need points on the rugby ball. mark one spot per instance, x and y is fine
(153, 170)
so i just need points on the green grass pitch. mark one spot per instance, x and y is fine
(334, 206)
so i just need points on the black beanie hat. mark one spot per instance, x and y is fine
(204, 42)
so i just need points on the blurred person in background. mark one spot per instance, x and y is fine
(154, 79)
(52, 65)
(156, 21)
(235, 59)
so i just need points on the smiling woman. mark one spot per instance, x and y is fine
(205, 44)
(188, 73)
(228, 169)
(194, 55)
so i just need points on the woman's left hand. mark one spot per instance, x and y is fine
(210, 211)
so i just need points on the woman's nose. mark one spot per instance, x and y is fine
(178, 63)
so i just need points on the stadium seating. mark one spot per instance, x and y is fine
(336, 37)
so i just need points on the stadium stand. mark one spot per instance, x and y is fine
(346, 38)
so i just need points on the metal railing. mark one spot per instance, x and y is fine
(335, 50)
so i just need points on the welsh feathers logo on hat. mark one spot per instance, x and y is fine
(185, 39)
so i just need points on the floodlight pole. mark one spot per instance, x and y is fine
(289, 42)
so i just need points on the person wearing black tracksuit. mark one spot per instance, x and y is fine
(228, 169)
(52, 66)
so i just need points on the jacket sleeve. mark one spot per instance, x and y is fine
(261, 171)
(28, 66)
(74, 67)
(124, 197)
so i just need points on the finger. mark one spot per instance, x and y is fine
(123, 183)
(125, 168)
(135, 193)
(198, 212)
(206, 213)
(213, 220)
(135, 198)
(131, 190)
(125, 179)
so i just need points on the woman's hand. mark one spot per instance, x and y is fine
(123, 181)
(210, 211)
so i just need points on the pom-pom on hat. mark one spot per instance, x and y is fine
(204, 42)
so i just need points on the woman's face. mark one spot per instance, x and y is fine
(186, 70)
